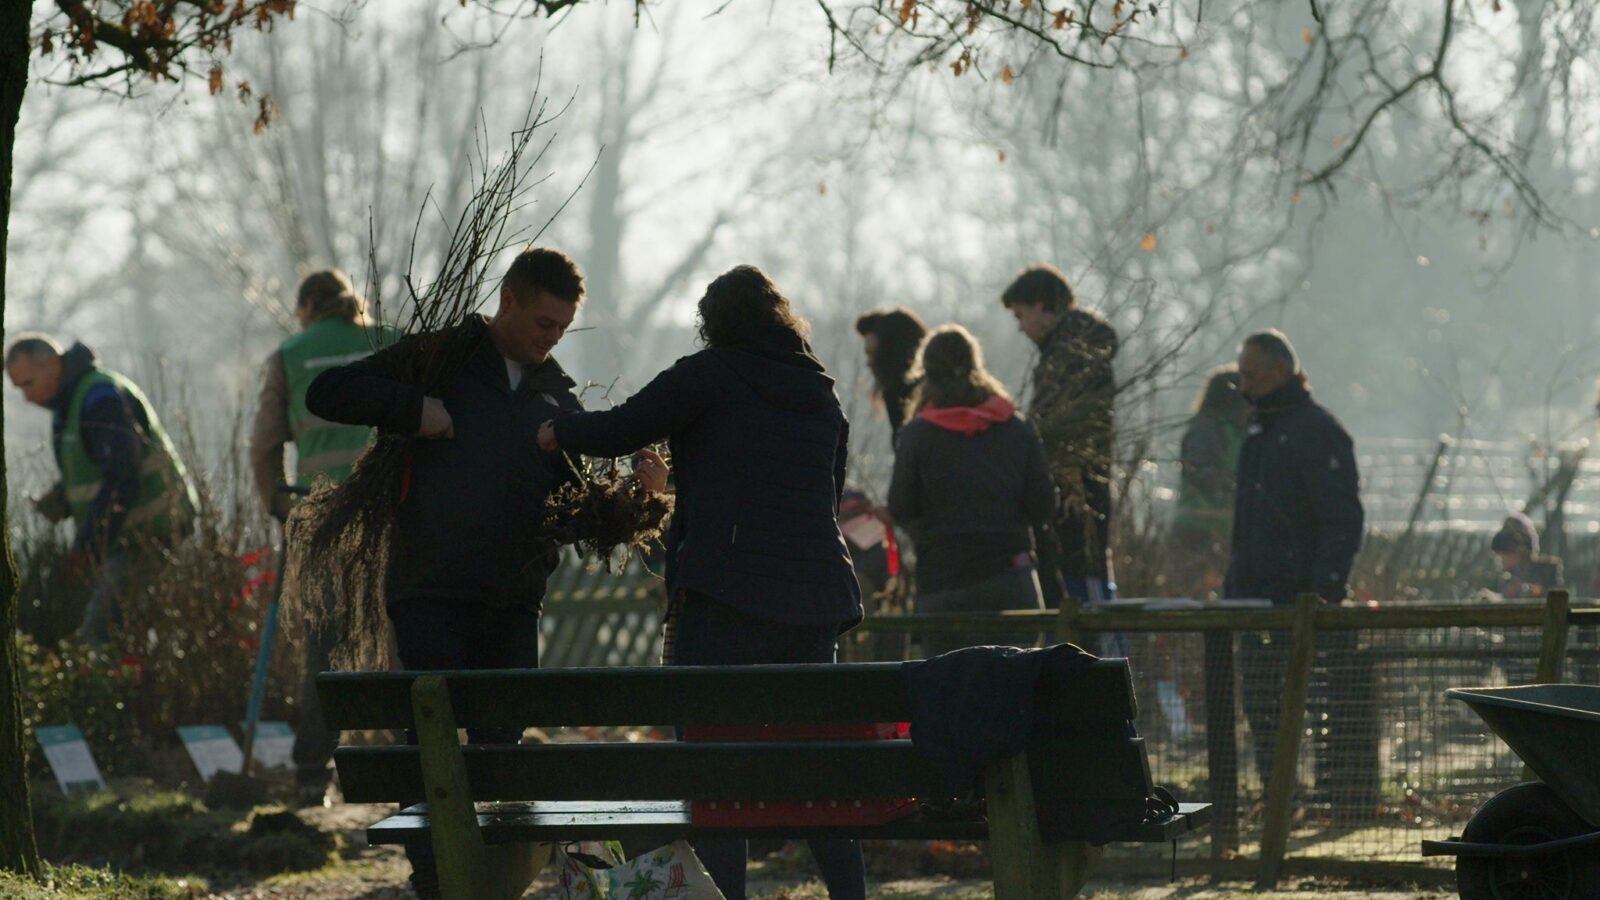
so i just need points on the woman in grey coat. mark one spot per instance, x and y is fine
(970, 483)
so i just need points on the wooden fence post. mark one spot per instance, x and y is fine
(1553, 643)
(1286, 749)
(1067, 623)
(1552, 648)
(1222, 744)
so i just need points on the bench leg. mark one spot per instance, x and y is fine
(1025, 867)
(512, 867)
(469, 869)
(1077, 861)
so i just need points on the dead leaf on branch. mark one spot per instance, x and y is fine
(268, 113)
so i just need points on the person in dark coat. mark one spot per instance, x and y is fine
(757, 569)
(970, 482)
(1525, 572)
(468, 567)
(122, 483)
(1073, 406)
(890, 338)
(1297, 520)
(1209, 456)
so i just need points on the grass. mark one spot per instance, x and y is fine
(84, 883)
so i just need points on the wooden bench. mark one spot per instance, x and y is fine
(636, 791)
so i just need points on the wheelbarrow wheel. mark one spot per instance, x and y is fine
(1528, 813)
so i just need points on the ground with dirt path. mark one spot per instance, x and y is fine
(379, 873)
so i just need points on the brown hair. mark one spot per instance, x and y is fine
(743, 306)
(544, 269)
(1040, 285)
(329, 294)
(951, 369)
(1221, 396)
(900, 332)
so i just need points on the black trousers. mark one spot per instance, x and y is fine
(709, 633)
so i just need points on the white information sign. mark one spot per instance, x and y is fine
(69, 758)
(274, 744)
(212, 748)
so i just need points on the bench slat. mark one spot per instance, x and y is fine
(1083, 770)
(657, 770)
(668, 820)
(692, 695)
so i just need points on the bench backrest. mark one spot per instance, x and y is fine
(1085, 751)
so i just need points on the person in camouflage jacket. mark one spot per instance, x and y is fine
(1073, 401)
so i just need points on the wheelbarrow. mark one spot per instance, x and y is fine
(1539, 840)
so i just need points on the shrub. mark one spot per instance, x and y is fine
(72, 683)
(185, 648)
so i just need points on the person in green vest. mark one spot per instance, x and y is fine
(122, 483)
(334, 331)
(1202, 527)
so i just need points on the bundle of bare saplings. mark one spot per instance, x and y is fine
(340, 536)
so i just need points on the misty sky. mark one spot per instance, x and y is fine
(165, 233)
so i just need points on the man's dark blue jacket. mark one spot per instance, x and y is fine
(758, 450)
(470, 526)
(1297, 516)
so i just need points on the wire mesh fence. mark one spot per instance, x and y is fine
(1385, 760)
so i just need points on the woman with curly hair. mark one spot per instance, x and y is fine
(756, 567)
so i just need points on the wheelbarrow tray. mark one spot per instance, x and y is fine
(1555, 728)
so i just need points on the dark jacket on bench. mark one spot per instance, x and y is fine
(972, 708)
(469, 525)
(758, 450)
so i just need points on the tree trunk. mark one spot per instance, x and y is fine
(18, 851)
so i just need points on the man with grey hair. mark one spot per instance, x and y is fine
(1297, 515)
(122, 483)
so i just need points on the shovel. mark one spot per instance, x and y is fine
(241, 790)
